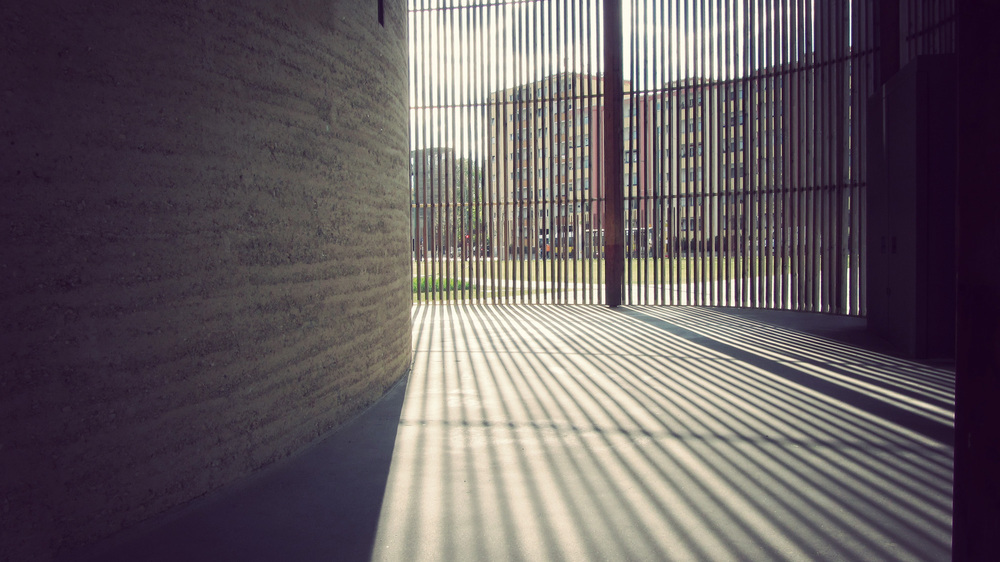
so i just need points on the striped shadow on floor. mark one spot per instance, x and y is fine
(659, 433)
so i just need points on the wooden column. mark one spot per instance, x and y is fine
(614, 251)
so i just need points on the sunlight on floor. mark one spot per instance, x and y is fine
(570, 432)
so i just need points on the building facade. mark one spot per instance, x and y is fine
(685, 166)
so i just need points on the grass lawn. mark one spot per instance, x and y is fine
(590, 271)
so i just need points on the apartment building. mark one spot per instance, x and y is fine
(685, 163)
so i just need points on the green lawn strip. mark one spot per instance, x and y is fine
(591, 271)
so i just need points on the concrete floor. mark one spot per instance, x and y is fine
(584, 433)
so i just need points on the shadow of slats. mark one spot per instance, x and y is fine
(567, 432)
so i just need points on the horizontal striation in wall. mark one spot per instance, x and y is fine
(205, 263)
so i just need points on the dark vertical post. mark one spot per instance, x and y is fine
(889, 38)
(976, 525)
(613, 143)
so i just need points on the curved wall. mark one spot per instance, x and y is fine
(205, 262)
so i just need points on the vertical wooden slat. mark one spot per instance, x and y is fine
(753, 151)
(722, 150)
(687, 70)
(830, 276)
(551, 142)
(692, 140)
(628, 122)
(795, 152)
(741, 84)
(710, 150)
(646, 156)
(531, 76)
(763, 171)
(417, 79)
(600, 168)
(482, 139)
(699, 159)
(821, 82)
(428, 155)
(670, 109)
(869, 77)
(633, 142)
(558, 152)
(659, 161)
(571, 213)
(583, 237)
(525, 85)
(807, 100)
(806, 163)
(437, 168)
(819, 97)
(766, 151)
(496, 153)
(831, 240)
(841, 157)
(447, 165)
(778, 165)
(465, 156)
(859, 93)
(503, 156)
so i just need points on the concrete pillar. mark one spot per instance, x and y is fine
(977, 401)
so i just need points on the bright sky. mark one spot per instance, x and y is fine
(460, 54)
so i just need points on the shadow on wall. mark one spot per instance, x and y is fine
(321, 504)
(661, 433)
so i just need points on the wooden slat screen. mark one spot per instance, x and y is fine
(743, 148)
